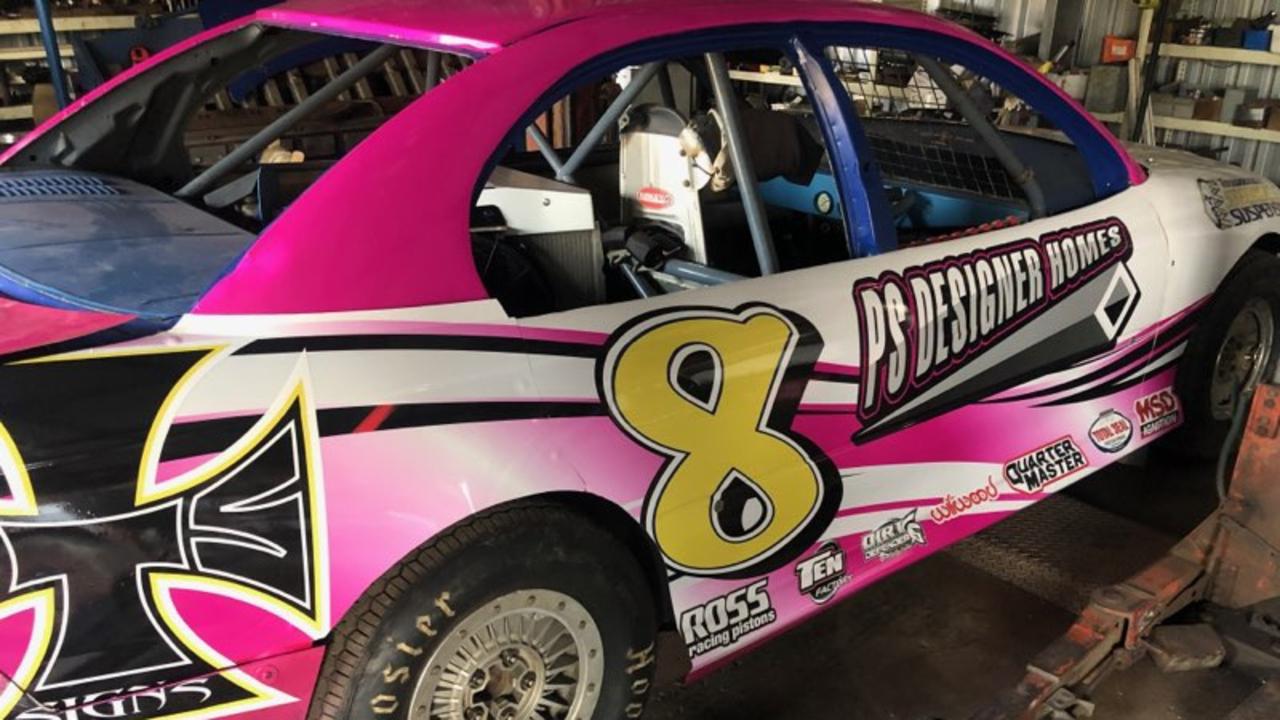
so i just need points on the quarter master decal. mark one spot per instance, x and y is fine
(247, 524)
(940, 334)
(715, 392)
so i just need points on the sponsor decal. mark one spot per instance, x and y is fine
(124, 702)
(653, 198)
(822, 575)
(1111, 432)
(921, 328)
(893, 538)
(724, 620)
(953, 506)
(1156, 412)
(1043, 466)
(1239, 201)
(248, 525)
(715, 392)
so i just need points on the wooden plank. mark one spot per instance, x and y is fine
(15, 112)
(32, 52)
(84, 23)
(1209, 127)
(1220, 54)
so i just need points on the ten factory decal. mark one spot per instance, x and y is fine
(715, 392)
(1043, 466)
(940, 334)
(1111, 432)
(247, 524)
(894, 537)
(724, 620)
(823, 574)
(1157, 411)
(1238, 201)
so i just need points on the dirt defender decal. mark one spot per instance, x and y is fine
(715, 392)
(927, 332)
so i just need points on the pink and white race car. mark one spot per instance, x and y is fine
(519, 349)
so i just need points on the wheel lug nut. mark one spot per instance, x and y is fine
(507, 713)
(509, 658)
(528, 681)
(476, 712)
(478, 680)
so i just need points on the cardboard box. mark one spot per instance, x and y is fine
(1233, 99)
(1108, 88)
(1118, 49)
(1273, 118)
(1208, 108)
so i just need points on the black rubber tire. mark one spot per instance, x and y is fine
(521, 547)
(1254, 277)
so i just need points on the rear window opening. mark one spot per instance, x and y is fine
(140, 201)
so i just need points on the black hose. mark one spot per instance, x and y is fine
(1240, 403)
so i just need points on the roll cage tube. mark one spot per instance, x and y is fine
(264, 137)
(1020, 173)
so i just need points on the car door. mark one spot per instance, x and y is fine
(783, 438)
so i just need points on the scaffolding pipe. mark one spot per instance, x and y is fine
(744, 168)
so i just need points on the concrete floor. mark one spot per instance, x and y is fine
(944, 636)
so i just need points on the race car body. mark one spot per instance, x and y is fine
(406, 427)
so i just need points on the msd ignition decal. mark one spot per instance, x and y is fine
(893, 538)
(714, 392)
(1239, 201)
(822, 575)
(940, 334)
(1156, 412)
(104, 555)
(1043, 466)
(723, 621)
(1111, 432)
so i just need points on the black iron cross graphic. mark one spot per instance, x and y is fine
(99, 529)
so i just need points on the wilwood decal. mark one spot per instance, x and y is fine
(922, 329)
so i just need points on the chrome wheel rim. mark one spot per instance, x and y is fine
(1242, 357)
(528, 655)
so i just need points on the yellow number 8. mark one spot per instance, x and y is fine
(700, 387)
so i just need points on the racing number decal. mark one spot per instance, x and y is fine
(715, 392)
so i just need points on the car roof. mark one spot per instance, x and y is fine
(482, 26)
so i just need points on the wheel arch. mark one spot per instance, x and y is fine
(1268, 243)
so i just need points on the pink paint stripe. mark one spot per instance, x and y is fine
(837, 368)
(895, 505)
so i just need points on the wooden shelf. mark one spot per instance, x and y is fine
(15, 112)
(1209, 127)
(1112, 117)
(35, 52)
(1220, 54)
(82, 23)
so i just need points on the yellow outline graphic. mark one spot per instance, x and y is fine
(263, 696)
(43, 602)
(23, 500)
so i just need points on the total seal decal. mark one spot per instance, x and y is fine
(1043, 466)
(937, 335)
(893, 537)
(821, 575)
(1239, 201)
(1156, 412)
(725, 619)
(1111, 432)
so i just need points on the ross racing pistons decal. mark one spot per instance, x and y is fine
(1111, 431)
(104, 555)
(1044, 466)
(724, 620)
(715, 392)
(1157, 412)
(937, 335)
(893, 538)
(821, 575)
(1239, 201)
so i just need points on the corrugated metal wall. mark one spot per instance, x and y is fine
(1120, 17)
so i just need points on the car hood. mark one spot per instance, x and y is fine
(1159, 161)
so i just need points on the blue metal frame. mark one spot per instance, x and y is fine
(44, 14)
(868, 219)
